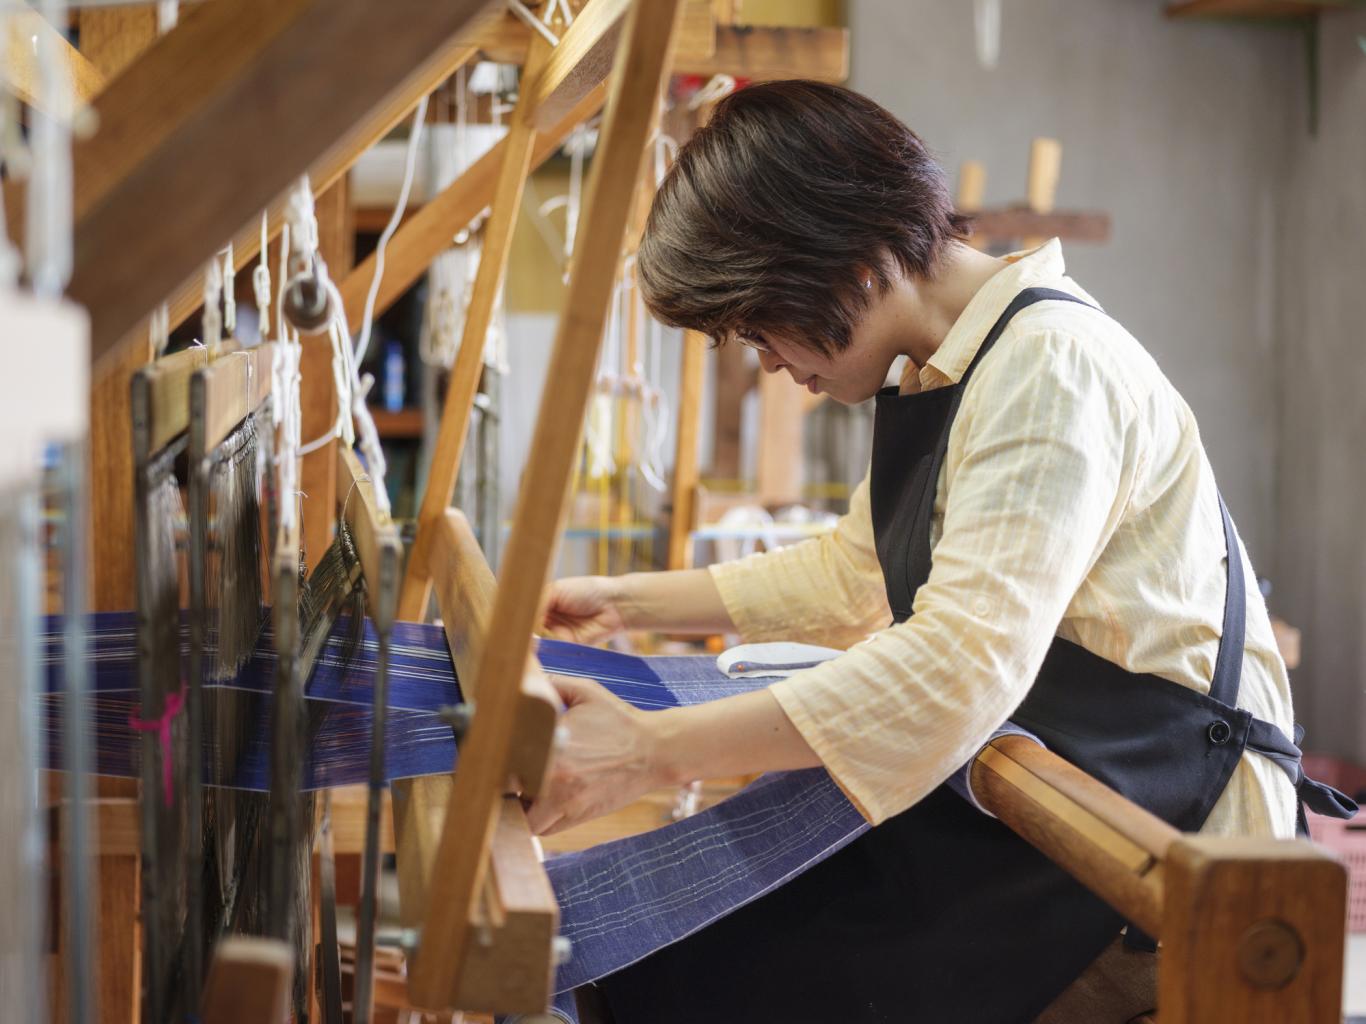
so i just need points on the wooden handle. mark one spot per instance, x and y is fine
(1109, 844)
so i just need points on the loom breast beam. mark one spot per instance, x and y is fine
(1250, 929)
(380, 551)
(477, 804)
(262, 70)
(44, 399)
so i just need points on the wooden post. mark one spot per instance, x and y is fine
(250, 980)
(469, 360)
(476, 799)
(1041, 185)
(779, 467)
(317, 391)
(685, 478)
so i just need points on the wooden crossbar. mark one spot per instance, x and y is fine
(1250, 929)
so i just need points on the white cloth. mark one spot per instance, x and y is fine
(772, 660)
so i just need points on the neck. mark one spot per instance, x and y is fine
(934, 306)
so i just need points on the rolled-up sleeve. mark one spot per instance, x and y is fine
(827, 590)
(1040, 466)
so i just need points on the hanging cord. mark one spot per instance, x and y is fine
(541, 25)
(718, 87)
(168, 15)
(286, 410)
(229, 292)
(260, 280)
(213, 315)
(159, 329)
(409, 169)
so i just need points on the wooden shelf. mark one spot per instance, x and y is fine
(1249, 8)
(406, 424)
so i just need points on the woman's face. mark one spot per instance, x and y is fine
(851, 376)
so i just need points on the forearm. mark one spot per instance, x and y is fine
(684, 601)
(738, 735)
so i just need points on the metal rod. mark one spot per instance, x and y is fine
(200, 467)
(363, 1003)
(78, 889)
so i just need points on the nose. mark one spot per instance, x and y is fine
(770, 362)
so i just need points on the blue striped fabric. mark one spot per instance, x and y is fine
(619, 901)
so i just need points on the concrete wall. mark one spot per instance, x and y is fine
(1320, 564)
(1179, 130)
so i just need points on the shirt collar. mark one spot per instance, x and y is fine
(950, 361)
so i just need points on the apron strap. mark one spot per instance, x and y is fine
(1228, 663)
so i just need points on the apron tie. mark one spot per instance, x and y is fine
(1267, 740)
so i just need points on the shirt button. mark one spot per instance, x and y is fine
(1219, 732)
(981, 606)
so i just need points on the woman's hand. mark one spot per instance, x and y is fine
(607, 758)
(585, 609)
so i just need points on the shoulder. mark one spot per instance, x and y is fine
(1075, 350)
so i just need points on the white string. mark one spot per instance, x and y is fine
(168, 15)
(409, 169)
(260, 279)
(718, 87)
(50, 188)
(229, 292)
(159, 329)
(213, 316)
(520, 11)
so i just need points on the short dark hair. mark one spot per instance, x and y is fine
(763, 221)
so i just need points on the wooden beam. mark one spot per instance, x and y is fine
(504, 39)
(1041, 182)
(1014, 223)
(1250, 8)
(19, 61)
(476, 797)
(577, 64)
(111, 38)
(377, 544)
(251, 85)
(317, 390)
(683, 518)
(427, 233)
(763, 54)
(469, 361)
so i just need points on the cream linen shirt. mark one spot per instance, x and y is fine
(1075, 499)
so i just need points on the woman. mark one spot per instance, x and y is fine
(1040, 538)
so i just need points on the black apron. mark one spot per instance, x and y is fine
(942, 913)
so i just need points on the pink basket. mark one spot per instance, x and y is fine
(1347, 839)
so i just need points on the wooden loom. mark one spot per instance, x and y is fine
(1262, 919)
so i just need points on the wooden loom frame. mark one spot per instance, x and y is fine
(487, 913)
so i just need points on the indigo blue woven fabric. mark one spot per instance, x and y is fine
(619, 901)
